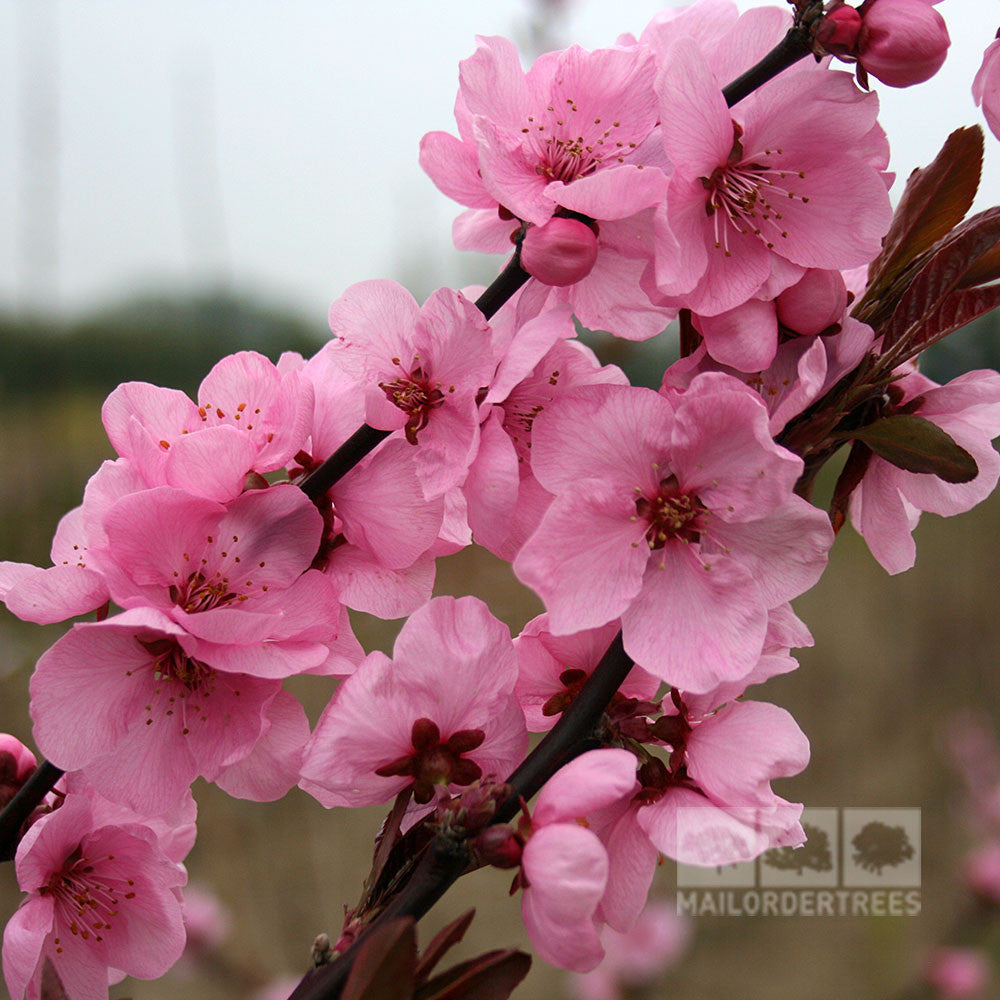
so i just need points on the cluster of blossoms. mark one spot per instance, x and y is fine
(222, 549)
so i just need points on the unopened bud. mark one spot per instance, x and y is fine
(562, 252)
(958, 973)
(814, 303)
(498, 846)
(838, 31)
(981, 872)
(902, 42)
(17, 763)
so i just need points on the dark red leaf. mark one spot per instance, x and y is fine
(492, 976)
(969, 250)
(446, 938)
(912, 443)
(385, 964)
(847, 482)
(934, 202)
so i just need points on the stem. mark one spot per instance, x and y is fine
(571, 735)
(796, 45)
(28, 797)
(365, 439)
(360, 443)
(446, 858)
(506, 283)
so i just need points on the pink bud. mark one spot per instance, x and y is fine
(814, 303)
(958, 973)
(838, 31)
(902, 42)
(206, 921)
(17, 763)
(986, 86)
(499, 846)
(981, 871)
(561, 252)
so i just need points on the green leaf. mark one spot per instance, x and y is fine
(947, 292)
(917, 445)
(492, 976)
(385, 964)
(934, 202)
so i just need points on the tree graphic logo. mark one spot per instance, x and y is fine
(879, 846)
(814, 856)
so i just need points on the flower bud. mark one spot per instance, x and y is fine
(838, 31)
(562, 252)
(986, 86)
(498, 846)
(981, 871)
(814, 303)
(902, 42)
(957, 973)
(17, 763)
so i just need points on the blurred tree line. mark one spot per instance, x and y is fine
(164, 340)
(173, 342)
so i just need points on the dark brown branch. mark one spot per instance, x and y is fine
(796, 45)
(504, 286)
(363, 441)
(24, 803)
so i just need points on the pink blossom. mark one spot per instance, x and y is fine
(573, 135)
(103, 901)
(714, 804)
(421, 369)
(902, 42)
(236, 577)
(436, 717)
(553, 668)
(70, 587)
(986, 87)
(958, 973)
(564, 867)
(886, 506)
(249, 418)
(130, 702)
(676, 515)
(505, 501)
(379, 527)
(802, 370)
(760, 187)
(635, 959)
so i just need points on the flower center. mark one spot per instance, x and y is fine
(201, 594)
(568, 147)
(435, 761)
(86, 900)
(671, 514)
(748, 196)
(415, 394)
(181, 681)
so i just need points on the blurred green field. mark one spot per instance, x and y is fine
(894, 659)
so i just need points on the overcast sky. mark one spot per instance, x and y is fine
(272, 146)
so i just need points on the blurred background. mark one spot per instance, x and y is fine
(180, 180)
